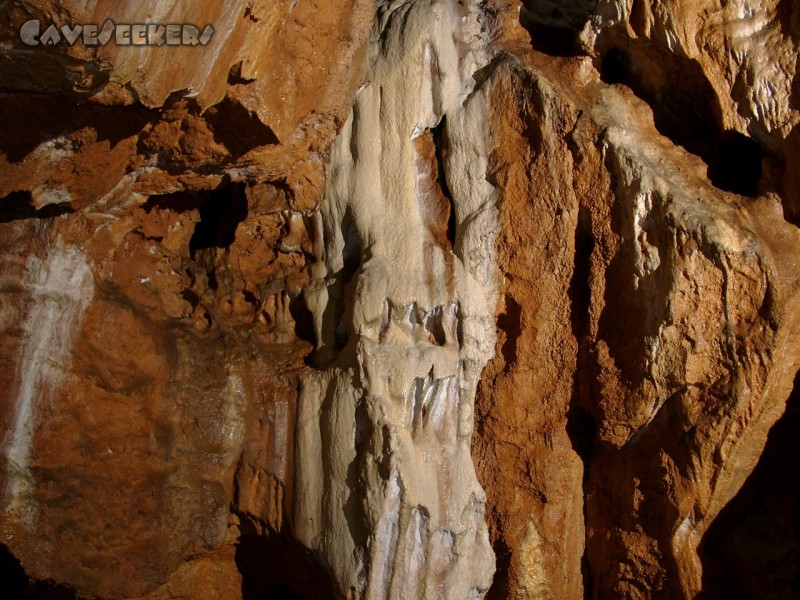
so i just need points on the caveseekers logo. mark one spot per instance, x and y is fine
(150, 34)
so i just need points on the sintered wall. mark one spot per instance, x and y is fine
(401, 299)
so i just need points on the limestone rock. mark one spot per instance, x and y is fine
(674, 385)
(404, 320)
(413, 299)
(717, 75)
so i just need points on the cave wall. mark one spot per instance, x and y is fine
(401, 299)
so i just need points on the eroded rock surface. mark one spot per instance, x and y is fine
(407, 299)
(404, 317)
(153, 265)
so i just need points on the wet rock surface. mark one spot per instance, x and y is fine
(406, 299)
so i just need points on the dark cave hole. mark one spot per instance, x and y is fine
(334, 333)
(303, 320)
(178, 201)
(220, 215)
(440, 144)
(213, 282)
(460, 328)
(351, 252)
(232, 125)
(613, 67)
(555, 41)
(220, 210)
(582, 432)
(248, 14)
(737, 167)
(57, 118)
(509, 322)
(580, 291)
(357, 521)
(238, 129)
(19, 205)
(684, 108)
(554, 26)
(191, 297)
(251, 298)
(11, 573)
(586, 572)
(500, 589)
(752, 549)
(351, 258)
(685, 111)
(16, 585)
(275, 567)
(434, 325)
(235, 76)
(283, 593)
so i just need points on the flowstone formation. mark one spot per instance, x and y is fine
(401, 299)
(403, 314)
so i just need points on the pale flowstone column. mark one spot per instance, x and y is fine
(386, 488)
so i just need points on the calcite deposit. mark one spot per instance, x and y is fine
(401, 299)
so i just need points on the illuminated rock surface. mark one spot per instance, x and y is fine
(410, 299)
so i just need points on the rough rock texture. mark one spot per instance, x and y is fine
(152, 264)
(709, 70)
(536, 499)
(680, 296)
(402, 299)
(404, 317)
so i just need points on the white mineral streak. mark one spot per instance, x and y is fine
(61, 289)
(684, 543)
(534, 580)
(233, 424)
(386, 488)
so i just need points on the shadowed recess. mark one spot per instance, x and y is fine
(238, 129)
(738, 165)
(501, 584)
(752, 549)
(581, 425)
(16, 585)
(221, 212)
(685, 109)
(440, 146)
(56, 119)
(582, 432)
(335, 334)
(275, 567)
(18, 205)
(554, 26)
(303, 320)
(509, 322)
(219, 217)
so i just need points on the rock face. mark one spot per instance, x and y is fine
(403, 314)
(408, 299)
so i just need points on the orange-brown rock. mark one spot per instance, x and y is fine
(719, 76)
(259, 298)
(156, 237)
(639, 328)
(532, 475)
